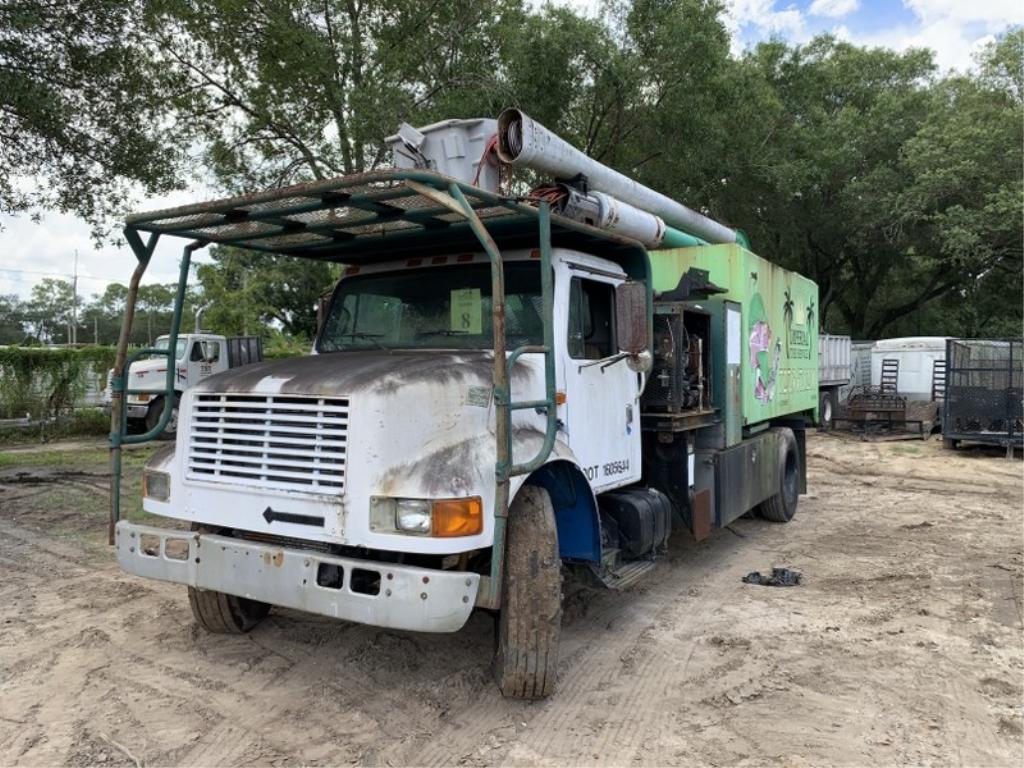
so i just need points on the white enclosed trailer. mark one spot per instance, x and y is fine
(920, 359)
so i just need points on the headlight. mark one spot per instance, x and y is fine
(156, 485)
(412, 515)
(443, 518)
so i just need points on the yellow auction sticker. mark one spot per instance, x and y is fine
(467, 310)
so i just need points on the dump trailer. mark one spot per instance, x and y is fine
(835, 370)
(501, 388)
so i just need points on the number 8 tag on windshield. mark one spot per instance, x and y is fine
(466, 310)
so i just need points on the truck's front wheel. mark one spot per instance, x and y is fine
(153, 415)
(225, 614)
(531, 608)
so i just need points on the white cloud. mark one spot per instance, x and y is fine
(834, 9)
(33, 251)
(955, 31)
(759, 19)
(765, 18)
(995, 12)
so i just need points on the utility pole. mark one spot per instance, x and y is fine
(73, 336)
(245, 304)
(95, 329)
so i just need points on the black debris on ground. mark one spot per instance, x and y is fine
(781, 577)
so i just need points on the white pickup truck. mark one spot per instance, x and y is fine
(197, 355)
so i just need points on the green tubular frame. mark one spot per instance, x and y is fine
(451, 197)
(122, 367)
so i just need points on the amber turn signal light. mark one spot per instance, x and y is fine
(457, 517)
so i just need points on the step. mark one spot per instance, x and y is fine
(626, 575)
(609, 557)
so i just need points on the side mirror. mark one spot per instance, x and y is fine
(631, 318)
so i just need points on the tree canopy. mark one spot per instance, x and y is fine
(896, 187)
(83, 117)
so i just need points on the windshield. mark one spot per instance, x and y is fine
(179, 348)
(428, 308)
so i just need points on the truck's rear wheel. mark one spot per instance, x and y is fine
(225, 614)
(531, 608)
(781, 507)
(153, 414)
(826, 408)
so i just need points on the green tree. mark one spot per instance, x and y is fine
(81, 109)
(48, 310)
(287, 90)
(246, 292)
(12, 320)
(890, 188)
(960, 212)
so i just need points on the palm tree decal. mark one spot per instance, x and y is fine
(787, 316)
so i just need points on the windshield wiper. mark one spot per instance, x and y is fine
(370, 337)
(441, 333)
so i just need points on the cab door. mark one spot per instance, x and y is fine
(602, 412)
(204, 358)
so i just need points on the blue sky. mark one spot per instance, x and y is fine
(954, 29)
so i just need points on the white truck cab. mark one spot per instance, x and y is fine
(396, 404)
(196, 356)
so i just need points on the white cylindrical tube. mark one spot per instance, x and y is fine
(524, 142)
(624, 219)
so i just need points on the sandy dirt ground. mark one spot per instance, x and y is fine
(903, 646)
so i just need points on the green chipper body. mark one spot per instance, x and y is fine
(777, 366)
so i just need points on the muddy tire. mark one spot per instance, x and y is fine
(950, 445)
(224, 614)
(153, 414)
(781, 507)
(531, 610)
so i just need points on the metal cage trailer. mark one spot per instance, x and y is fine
(500, 387)
(984, 398)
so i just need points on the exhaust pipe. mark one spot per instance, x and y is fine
(525, 143)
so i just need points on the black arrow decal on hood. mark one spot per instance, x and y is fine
(270, 515)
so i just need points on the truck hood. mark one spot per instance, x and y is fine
(146, 367)
(349, 373)
(417, 424)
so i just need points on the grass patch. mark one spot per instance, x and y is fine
(76, 459)
(75, 508)
(906, 450)
(84, 422)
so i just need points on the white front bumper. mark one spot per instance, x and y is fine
(420, 599)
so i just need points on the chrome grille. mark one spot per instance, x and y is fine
(271, 441)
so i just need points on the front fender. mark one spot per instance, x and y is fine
(576, 511)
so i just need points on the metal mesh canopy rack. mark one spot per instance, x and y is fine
(368, 217)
